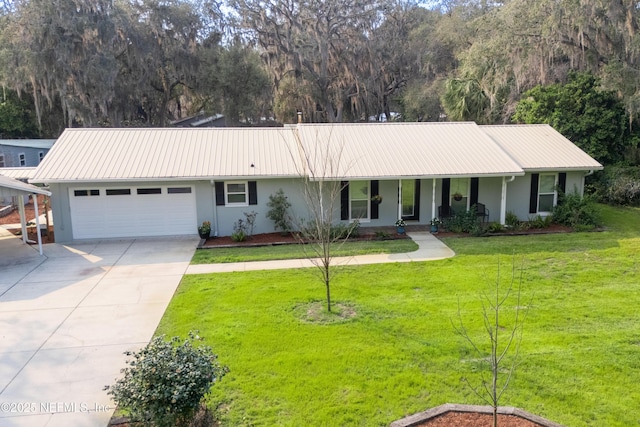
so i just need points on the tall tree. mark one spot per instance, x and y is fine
(592, 118)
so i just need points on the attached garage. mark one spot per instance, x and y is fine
(118, 211)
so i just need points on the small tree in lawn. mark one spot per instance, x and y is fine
(321, 193)
(501, 339)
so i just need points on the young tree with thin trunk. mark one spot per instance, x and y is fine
(321, 191)
(502, 340)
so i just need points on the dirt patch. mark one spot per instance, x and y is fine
(469, 419)
(316, 312)
(14, 217)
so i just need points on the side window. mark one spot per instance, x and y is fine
(359, 199)
(2, 161)
(40, 156)
(546, 193)
(22, 158)
(236, 193)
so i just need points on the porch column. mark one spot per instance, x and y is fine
(434, 214)
(34, 197)
(23, 217)
(503, 199)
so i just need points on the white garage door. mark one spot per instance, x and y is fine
(132, 211)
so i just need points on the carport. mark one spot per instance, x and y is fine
(10, 187)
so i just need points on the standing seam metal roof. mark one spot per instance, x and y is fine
(366, 150)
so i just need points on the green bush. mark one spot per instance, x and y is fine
(511, 221)
(540, 222)
(495, 227)
(579, 213)
(278, 213)
(617, 185)
(466, 222)
(166, 381)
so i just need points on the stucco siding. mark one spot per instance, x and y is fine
(489, 194)
(518, 193)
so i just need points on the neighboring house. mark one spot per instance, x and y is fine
(151, 182)
(18, 153)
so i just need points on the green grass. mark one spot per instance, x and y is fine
(264, 253)
(579, 360)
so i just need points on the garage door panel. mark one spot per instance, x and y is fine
(133, 215)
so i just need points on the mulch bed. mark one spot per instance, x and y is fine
(470, 419)
(14, 218)
(268, 239)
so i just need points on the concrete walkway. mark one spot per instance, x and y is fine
(429, 249)
(66, 319)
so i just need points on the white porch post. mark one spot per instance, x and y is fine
(503, 201)
(23, 217)
(434, 214)
(399, 199)
(35, 211)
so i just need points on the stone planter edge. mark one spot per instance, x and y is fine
(420, 417)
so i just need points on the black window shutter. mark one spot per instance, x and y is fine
(562, 181)
(533, 200)
(253, 193)
(446, 188)
(375, 187)
(344, 200)
(474, 191)
(416, 208)
(219, 193)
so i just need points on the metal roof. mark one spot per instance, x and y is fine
(364, 150)
(19, 173)
(540, 147)
(42, 144)
(169, 153)
(10, 187)
(388, 150)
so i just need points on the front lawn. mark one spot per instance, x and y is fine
(580, 356)
(294, 251)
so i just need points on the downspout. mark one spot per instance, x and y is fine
(503, 199)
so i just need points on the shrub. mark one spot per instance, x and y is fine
(382, 235)
(617, 186)
(511, 221)
(539, 222)
(466, 222)
(250, 220)
(495, 227)
(166, 381)
(579, 213)
(278, 212)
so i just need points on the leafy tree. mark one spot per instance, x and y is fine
(245, 85)
(592, 118)
(17, 119)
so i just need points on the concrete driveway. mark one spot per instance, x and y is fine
(66, 319)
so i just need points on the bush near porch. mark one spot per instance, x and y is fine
(400, 355)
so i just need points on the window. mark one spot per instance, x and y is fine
(359, 200)
(179, 190)
(40, 156)
(1, 160)
(546, 193)
(84, 193)
(22, 158)
(459, 195)
(149, 191)
(236, 193)
(119, 192)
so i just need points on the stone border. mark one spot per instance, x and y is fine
(415, 419)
